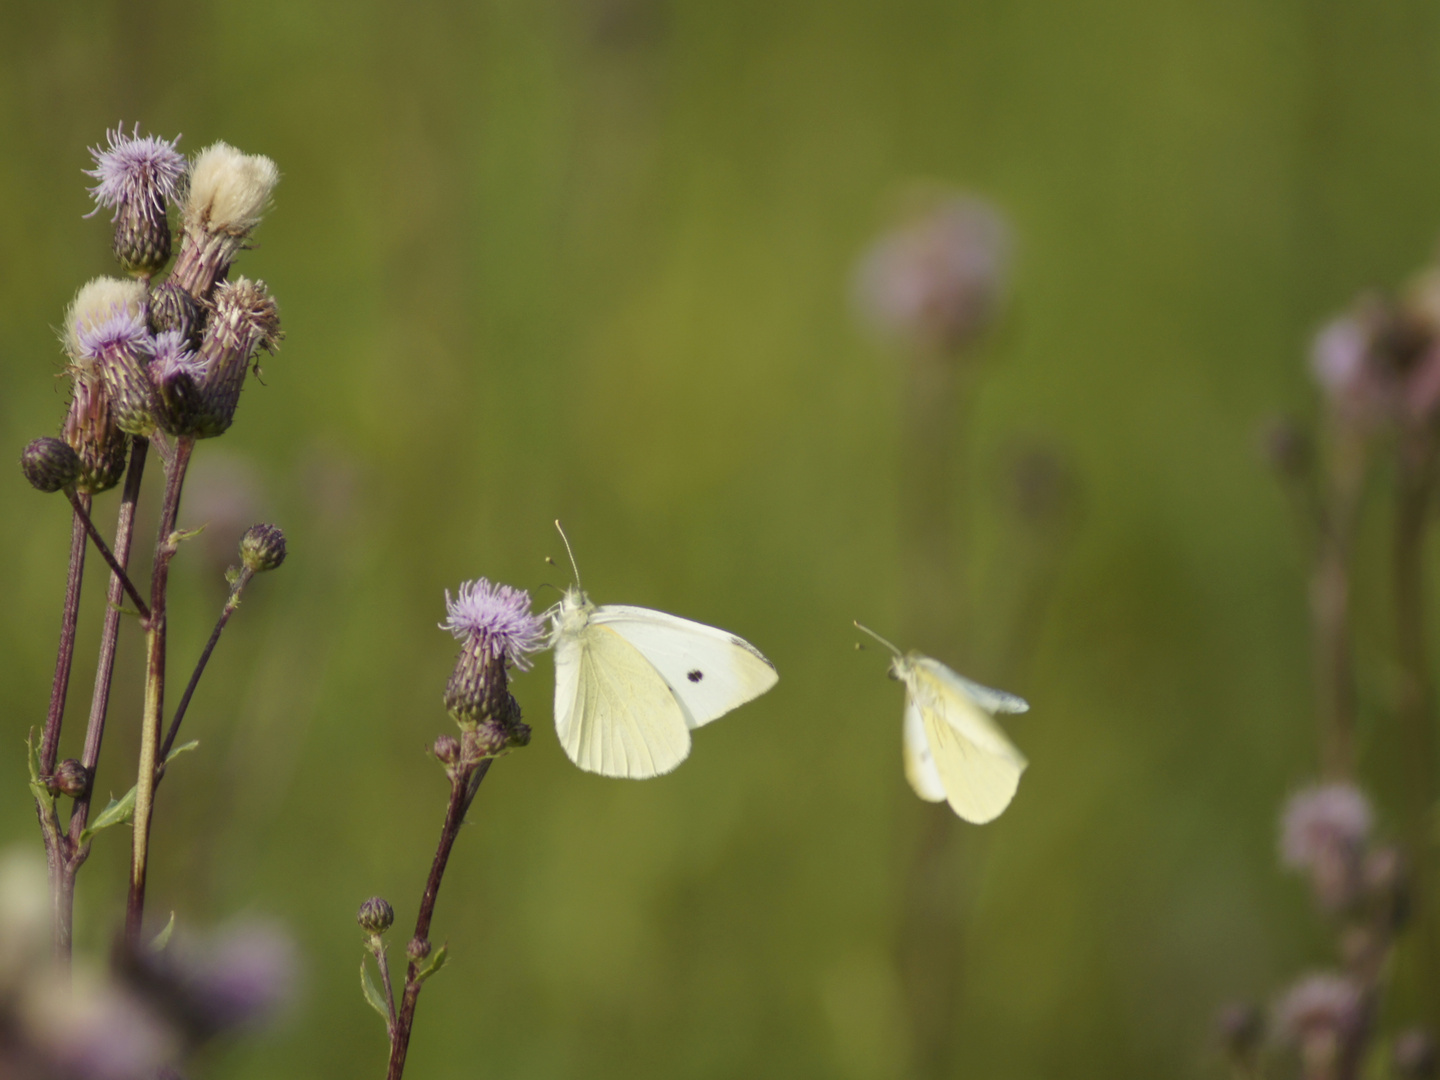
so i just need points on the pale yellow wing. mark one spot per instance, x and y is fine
(977, 763)
(614, 714)
(920, 767)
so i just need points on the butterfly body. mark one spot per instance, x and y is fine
(954, 750)
(632, 683)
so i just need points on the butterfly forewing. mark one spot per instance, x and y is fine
(614, 714)
(708, 670)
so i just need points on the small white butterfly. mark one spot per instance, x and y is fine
(954, 751)
(632, 683)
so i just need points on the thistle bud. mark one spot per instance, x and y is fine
(229, 192)
(244, 321)
(488, 739)
(50, 464)
(446, 749)
(262, 548)
(136, 177)
(1239, 1028)
(498, 630)
(172, 308)
(71, 778)
(376, 915)
(91, 432)
(418, 949)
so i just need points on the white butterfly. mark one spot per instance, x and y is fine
(632, 683)
(954, 751)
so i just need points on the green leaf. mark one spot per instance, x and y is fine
(121, 810)
(158, 943)
(42, 793)
(437, 961)
(372, 993)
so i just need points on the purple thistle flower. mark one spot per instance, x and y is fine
(132, 170)
(499, 615)
(173, 358)
(122, 330)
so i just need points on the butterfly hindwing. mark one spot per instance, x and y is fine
(614, 713)
(920, 767)
(708, 670)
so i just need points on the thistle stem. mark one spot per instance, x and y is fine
(1414, 696)
(116, 570)
(65, 655)
(100, 698)
(231, 603)
(50, 738)
(463, 786)
(154, 688)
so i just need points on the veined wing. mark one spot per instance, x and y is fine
(710, 671)
(613, 712)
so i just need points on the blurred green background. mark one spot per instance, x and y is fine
(591, 259)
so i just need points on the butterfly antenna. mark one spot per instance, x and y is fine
(568, 551)
(877, 637)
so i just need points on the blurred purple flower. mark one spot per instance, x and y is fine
(937, 281)
(244, 976)
(1323, 832)
(1323, 1015)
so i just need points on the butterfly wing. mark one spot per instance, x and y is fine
(709, 671)
(920, 767)
(613, 712)
(979, 767)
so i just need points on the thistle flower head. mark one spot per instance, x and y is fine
(937, 281)
(132, 169)
(1320, 819)
(1414, 1055)
(1323, 833)
(172, 357)
(229, 191)
(97, 302)
(119, 347)
(1319, 1008)
(123, 330)
(498, 614)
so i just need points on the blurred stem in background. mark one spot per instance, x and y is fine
(935, 284)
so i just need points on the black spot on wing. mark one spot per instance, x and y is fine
(695, 676)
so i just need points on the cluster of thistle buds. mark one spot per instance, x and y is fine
(168, 357)
(1328, 1018)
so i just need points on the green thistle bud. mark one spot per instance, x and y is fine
(418, 949)
(71, 778)
(446, 749)
(172, 308)
(262, 548)
(376, 915)
(50, 464)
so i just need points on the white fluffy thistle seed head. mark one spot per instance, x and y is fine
(97, 301)
(229, 191)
